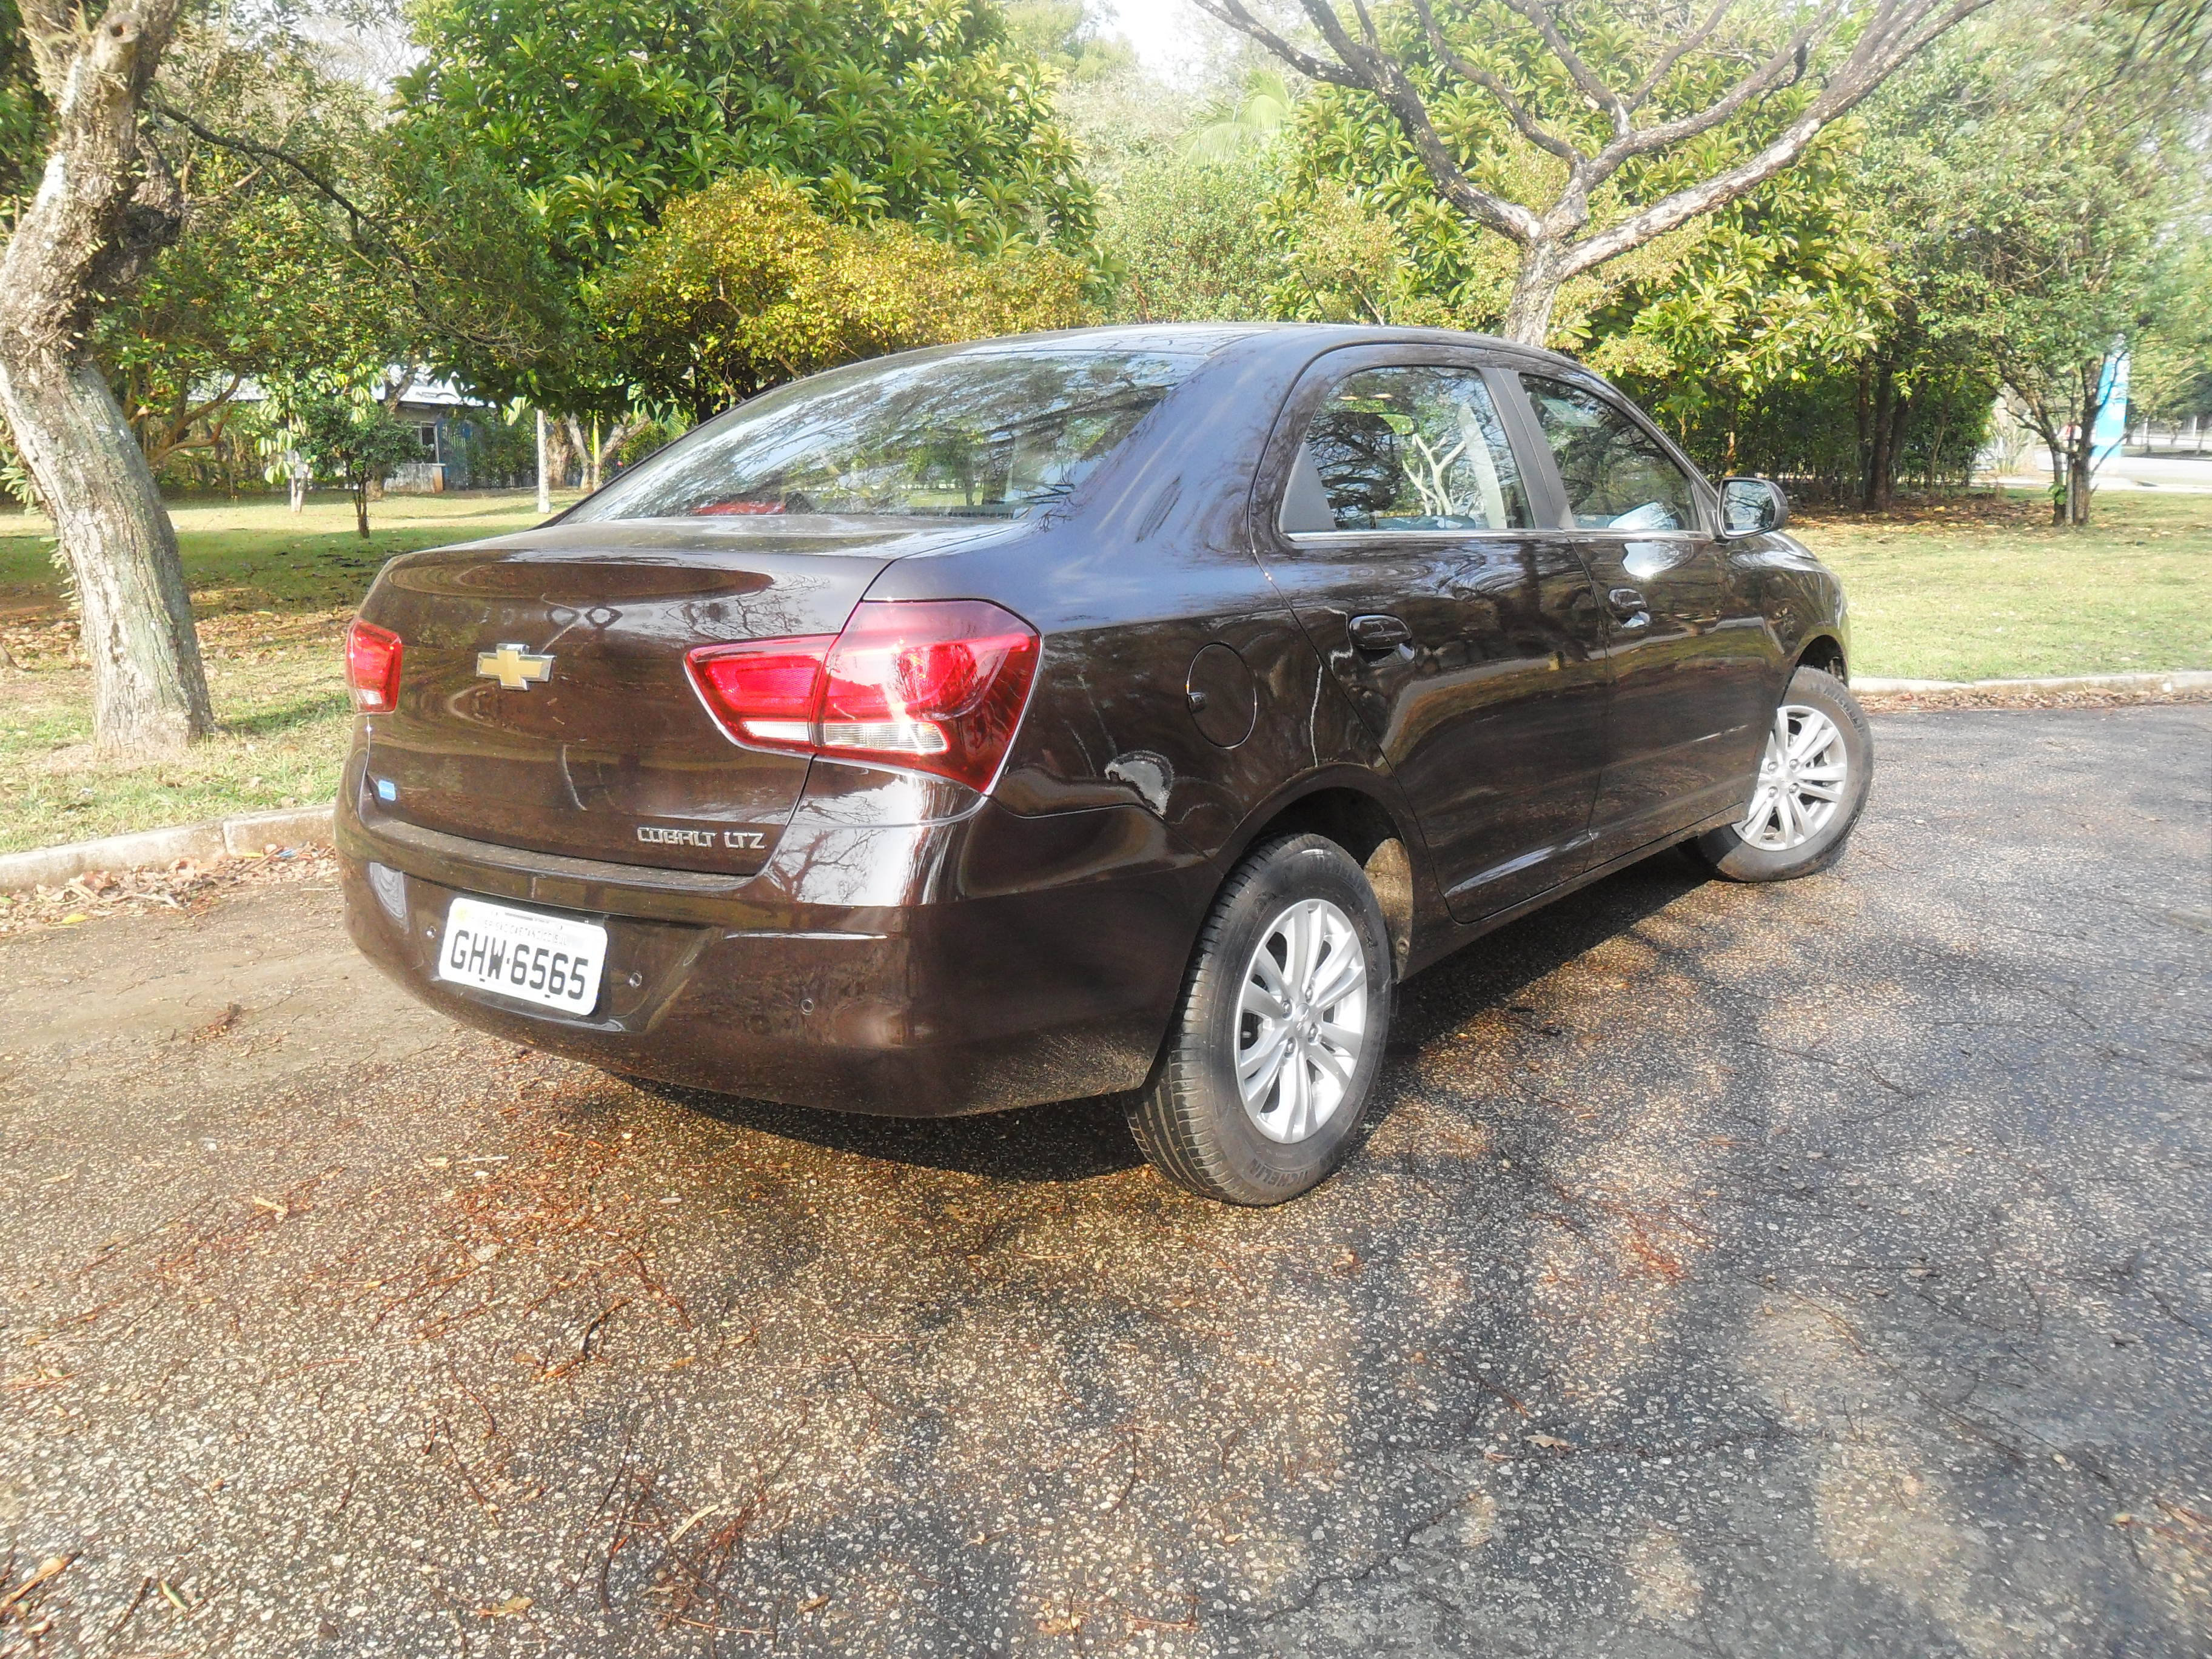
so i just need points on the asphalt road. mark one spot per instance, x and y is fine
(1800, 1270)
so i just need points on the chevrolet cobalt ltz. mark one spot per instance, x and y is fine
(1123, 710)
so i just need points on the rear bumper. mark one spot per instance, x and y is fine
(912, 970)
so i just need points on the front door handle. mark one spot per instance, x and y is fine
(1628, 604)
(1380, 632)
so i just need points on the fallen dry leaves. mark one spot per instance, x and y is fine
(2005, 696)
(187, 885)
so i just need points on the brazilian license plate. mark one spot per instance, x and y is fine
(525, 954)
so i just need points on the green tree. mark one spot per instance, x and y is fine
(357, 442)
(1730, 329)
(914, 110)
(22, 113)
(1580, 130)
(2049, 214)
(746, 284)
(1067, 38)
(222, 212)
(322, 236)
(1705, 323)
(2171, 377)
(265, 281)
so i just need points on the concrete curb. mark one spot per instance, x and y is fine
(250, 832)
(2190, 679)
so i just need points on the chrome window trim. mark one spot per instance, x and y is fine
(1609, 533)
(1302, 537)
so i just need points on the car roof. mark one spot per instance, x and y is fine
(1301, 339)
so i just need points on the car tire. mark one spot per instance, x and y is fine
(1819, 729)
(1247, 1105)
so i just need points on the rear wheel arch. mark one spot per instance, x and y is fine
(1240, 1105)
(1366, 828)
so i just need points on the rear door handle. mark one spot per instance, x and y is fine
(1629, 605)
(1380, 632)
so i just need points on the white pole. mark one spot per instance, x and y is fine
(544, 484)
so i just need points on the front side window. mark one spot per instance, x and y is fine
(1615, 476)
(1413, 448)
(979, 434)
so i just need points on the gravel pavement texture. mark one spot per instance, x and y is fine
(1801, 1270)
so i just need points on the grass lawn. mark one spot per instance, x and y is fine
(1979, 588)
(273, 590)
(1984, 588)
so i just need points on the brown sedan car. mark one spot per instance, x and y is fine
(1128, 709)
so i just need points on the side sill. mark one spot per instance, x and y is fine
(1465, 933)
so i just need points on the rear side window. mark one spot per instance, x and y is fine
(1615, 476)
(1413, 448)
(979, 434)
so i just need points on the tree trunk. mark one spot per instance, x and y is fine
(1535, 291)
(1862, 417)
(607, 443)
(360, 506)
(105, 205)
(556, 453)
(2079, 475)
(1878, 479)
(544, 481)
(574, 446)
(1936, 440)
(1892, 455)
(149, 690)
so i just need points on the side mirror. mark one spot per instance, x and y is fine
(1751, 507)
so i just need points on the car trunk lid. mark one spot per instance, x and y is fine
(543, 701)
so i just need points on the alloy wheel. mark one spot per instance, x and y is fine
(1302, 1020)
(1800, 781)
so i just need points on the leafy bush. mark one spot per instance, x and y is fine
(745, 285)
(643, 440)
(1189, 238)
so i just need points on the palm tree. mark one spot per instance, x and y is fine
(1247, 119)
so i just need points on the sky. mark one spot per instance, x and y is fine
(1171, 38)
(1168, 35)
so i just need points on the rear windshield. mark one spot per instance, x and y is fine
(981, 434)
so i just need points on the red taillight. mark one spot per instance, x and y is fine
(765, 692)
(928, 685)
(936, 685)
(372, 657)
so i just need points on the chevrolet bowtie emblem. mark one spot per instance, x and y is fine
(514, 667)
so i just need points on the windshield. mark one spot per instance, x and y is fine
(980, 434)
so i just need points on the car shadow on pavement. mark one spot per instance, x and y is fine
(1066, 1140)
(1497, 968)
(1083, 1140)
